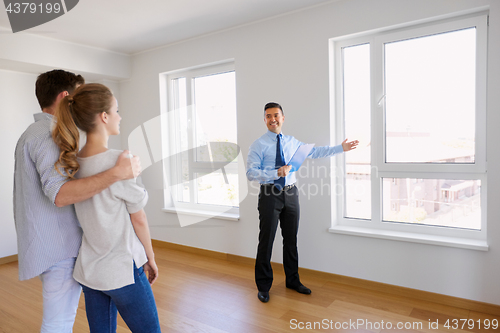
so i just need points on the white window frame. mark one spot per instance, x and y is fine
(171, 135)
(376, 227)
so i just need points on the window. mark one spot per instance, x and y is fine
(415, 98)
(200, 134)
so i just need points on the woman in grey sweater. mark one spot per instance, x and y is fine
(116, 264)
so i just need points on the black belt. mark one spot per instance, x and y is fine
(285, 188)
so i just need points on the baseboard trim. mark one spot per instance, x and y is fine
(6, 260)
(457, 302)
(189, 249)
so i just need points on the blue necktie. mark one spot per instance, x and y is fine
(280, 161)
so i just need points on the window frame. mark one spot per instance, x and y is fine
(171, 135)
(380, 169)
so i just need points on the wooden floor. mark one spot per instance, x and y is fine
(196, 293)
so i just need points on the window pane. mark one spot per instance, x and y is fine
(182, 137)
(430, 98)
(215, 106)
(205, 133)
(356, 89)
(217, 189)
(438, 202)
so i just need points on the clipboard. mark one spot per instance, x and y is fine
(299, 156)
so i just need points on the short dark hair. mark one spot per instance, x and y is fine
(272, 105)
(50, 84)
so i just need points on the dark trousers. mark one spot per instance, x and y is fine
(277, 205)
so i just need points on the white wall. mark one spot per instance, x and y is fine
(22, 58)
(30, 53)
(18, 104)
(17, 114)
(286, 60)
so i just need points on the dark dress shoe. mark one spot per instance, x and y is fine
(263, 296)
(301, 289)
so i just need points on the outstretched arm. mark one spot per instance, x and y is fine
(327, 151)
(81, 189)
(141, 227)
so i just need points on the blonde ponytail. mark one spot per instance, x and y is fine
(67, 137)
(78, 111)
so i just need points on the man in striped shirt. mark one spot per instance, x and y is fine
(48, 232)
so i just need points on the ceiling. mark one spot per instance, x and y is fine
(131, 26)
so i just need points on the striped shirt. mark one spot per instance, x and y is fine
(46, 234)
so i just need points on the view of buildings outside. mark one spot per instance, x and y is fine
(429, 114)
(440, 202)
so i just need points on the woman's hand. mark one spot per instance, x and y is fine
(151, 270)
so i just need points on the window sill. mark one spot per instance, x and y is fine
(203, 213)
(471, 244)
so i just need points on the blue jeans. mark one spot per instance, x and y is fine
(135, 303)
